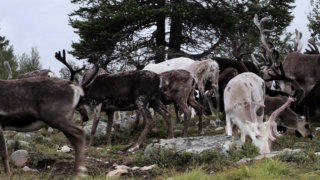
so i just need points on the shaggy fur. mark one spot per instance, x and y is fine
(32, 103)
(178, 89)
(127, 91)
(243, 99)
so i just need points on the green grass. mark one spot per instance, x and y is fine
(265, 169)
(171, 164)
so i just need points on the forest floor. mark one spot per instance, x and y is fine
(100, 158)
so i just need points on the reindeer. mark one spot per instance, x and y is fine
(244, 98)
(202, 71)
(178, 88)
(36, 73)
(288, 118)
(243, 104)
(32, 103)
(124, 91)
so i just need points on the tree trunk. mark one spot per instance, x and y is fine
(160, 36)
(175, 30)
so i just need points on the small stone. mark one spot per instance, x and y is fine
(244, 160)
(147, 168)
(135, 168)
(50, 130)
(99, 148)
(20, 157)
(122, 167)
(65, 149)
(317, 153)
(11, 144)
(117, 172)
(27, 169)
(219, 128)
(317, 128)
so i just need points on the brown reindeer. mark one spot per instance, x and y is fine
(123, 91)
(178, 88)
(33, 103)
(288, 118)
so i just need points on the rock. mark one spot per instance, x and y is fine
(147, 168)
(27, 169)
(317, 153)
(65, 149)
(50, 130)
(219, 128)
(135, 168)
(23, 136)
(14, 144)
(126, 123)
(101, 128)
(19, 157)
(122, 167)
(30, 136)
(220, 142)
(117, 172)
(271, 155)
(317, 128)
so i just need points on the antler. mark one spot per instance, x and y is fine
(62, 59)
(313, 47)
(272, 54)
(271, 124)
(7, 65)
(297, 41)
(237, 52)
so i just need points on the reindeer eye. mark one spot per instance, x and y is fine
(307, 126)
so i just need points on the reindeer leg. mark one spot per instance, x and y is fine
(109, 127)
(141, 103)
(198, 108)
(136, 123)
(97, 111)
(228, 125)
(4, 152)
(162, 110)
(214, 110)
(187, 116)
(176, 109)
(75, 135)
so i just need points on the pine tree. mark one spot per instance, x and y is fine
(128, 31)
(6, 54)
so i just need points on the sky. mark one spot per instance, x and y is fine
(44, 24)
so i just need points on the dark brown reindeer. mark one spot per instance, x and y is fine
(33, 103)
(288, 118)
(125, 91)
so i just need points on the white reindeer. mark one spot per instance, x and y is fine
(244, 98)
(244, 103)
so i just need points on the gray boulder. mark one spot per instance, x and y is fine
(11, 144)
(270, 155)
(220, 142)
(19, 157)
(30, 136)
(126, 123)
(101, 128)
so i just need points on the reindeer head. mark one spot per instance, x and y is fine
(303, 127)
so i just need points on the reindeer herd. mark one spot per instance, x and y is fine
(250, 94)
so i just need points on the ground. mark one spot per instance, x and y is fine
(100, 158)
